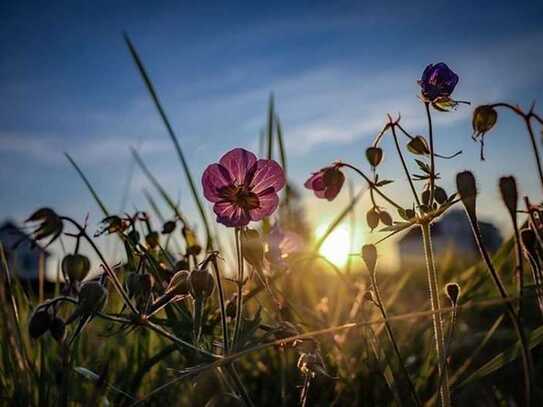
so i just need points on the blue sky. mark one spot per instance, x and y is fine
(68, 84)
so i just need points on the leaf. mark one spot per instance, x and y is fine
(383, 183)
(497, 362)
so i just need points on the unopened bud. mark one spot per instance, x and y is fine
(418, 145)
(168, 227)
(374, 156)
(92, 297)
(369, 255)
(508, 189)
(39, 323)
(75, 266)
(453, 292)
(385, 218)
(58, 329)
(179, 283)
(467, 189)
(201, 283)
(484, 118)
(152, 240)
(440, 195)
(372, 218)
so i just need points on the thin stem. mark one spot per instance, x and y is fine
(406, 170)
(432, 157)
(534, 146)
(239, 311)
(371, 184)
(437, 319)
(217, 272)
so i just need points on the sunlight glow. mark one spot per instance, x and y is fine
(337, 246)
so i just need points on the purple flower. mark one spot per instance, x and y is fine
(437, 81)
(281, 244)
(327, 182)
(242, 188)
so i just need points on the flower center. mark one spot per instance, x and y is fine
(241, 197)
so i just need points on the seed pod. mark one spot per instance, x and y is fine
(58, 329)
(369, 255)
(152, 239)
(385, 218)
(418, 145)
(168, 227)
(453, 292)
(484, 118)
(374, 156)
(92, 298)
(440, 195)
(252, 247)
(508, 190)
(49, 224)
(137, 284)
(193, 248)
(75, 266)
(201, 283)
(39, 323)
(179, 283)
(372, 218)
(426, 197)
(467, 189)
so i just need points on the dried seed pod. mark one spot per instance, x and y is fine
(49, 224)
(58, 329)
(75, 266)
(385, 218)
(372, 218)
(426, 197)
(39, 323)
(369, 255)
(133, 237)
(193, 248)
(182, 264)
(201, 283)
(252, 247)
(374, 156)
(484, 118)
(418, 145)
(179, 283)
(92, 298)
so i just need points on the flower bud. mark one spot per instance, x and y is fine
(58, 329)
(75, 266)
(182, 264)
(201, 283)
(191, 241)
(374, 156)
(168, 227)
(372, 218)
(467, 189)
(39, 323)
(369, 255)
(252, 247)
(418, 145)
(453, 292)
(179, 283)
(484, 118)
(92, 298)
(508, 189)
(152, 240)
(49, 224)
(385, 218)
(440, 195)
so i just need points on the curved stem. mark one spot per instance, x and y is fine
(437, 319)
(406, 170)
(371, 185)
(534, 146)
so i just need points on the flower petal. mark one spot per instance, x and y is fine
(238, 162)
(215, 178)
(231, 215)
(316, 181)
(267, 174)
(267, 205)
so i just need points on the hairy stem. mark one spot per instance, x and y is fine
(432, 156)
(437, 318)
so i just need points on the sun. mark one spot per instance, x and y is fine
(337, 245)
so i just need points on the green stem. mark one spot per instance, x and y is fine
(221, 304)
(437, 318)
(239, 307)
(432, 156)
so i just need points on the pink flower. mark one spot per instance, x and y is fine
(242, 188)
(327, 182)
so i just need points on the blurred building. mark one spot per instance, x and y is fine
(452, 238)
(25, 258)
